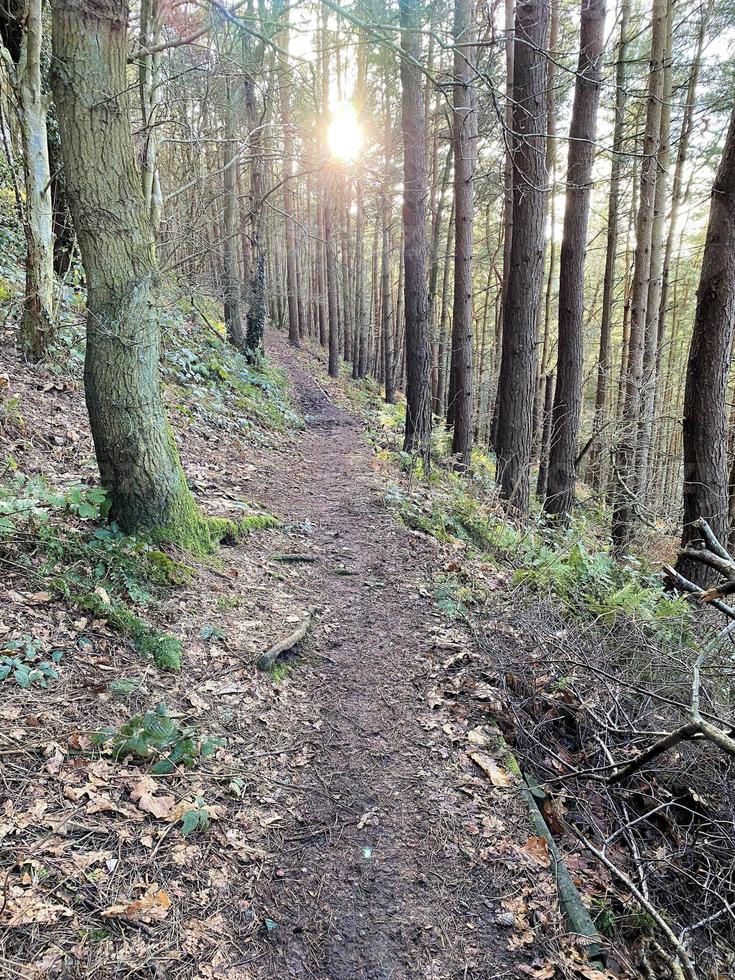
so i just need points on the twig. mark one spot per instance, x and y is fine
(683, 956)
(283, 646)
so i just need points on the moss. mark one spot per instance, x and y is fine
(279, 672)
(227, 602)
(166, 570)
(256, 522)
(164, 649)
(186, 526)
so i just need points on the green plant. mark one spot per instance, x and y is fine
(28, 500)
(603, 917)
(452, 597)
(197, 818)
(157, 738)
(123, 687)
(23, 661)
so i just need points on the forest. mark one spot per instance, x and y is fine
(367, 489)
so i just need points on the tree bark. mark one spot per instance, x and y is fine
(520, 317)
(625, 492)
(22, 34)
(660, 208)
(136, 451)
(418, 357)
(611, 250)
(705, 422)
(582, 133)
(231, 286)
(464, 141)
(284, 95)
(387, 306)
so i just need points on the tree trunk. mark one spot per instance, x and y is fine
(520, 317)
(464, 141)
(417, 353)
(231, 286)
(705, 419)
(284, 95)
(37, 324)
(551, 159)
(150, 100)
(136, 451)
(570, 361)
(625, 493)
(603, 359)
(331, 270)
(256, 314)
(441, 378)
(387, 306)
(507, 201)
(650, 349)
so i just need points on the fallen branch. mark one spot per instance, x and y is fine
(658, 748)
(573, 908)
(711, 540)
(269, 658)
(294, 557)
(688, 586)
(687, 969)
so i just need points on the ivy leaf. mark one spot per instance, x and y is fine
(189, 822)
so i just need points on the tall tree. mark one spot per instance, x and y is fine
(21, 30)
(418, 356)
(232, 285)
(705, 415)
(136, 453)
(625, 493)
(516, 386)
(509, 15)
(611, 247)
(582, 132)
(289, 207)
(464, 142)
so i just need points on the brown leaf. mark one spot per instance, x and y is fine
(39, 597)
(144, 794)
(496, 775)
(154, 906)
(25, 906)
(537, 848)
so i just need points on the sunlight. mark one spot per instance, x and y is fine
(345, 134)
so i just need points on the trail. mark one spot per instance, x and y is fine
(376, 869)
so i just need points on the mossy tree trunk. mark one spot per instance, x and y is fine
(21, 31)
(136, 453)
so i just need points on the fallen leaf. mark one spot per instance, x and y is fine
(544, 971)
(154, 906)
(496, 775)
(103, 594)
(537, 848)
(39, 597)
(144, 794)
(24, 906)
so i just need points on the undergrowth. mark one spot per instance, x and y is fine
(572, 566)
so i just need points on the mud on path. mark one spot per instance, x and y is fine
(376, 869)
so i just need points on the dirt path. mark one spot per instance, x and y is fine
(377, 874)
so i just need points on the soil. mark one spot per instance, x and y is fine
(378, 876)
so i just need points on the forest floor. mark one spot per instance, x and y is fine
(361, 819)
(382, 869)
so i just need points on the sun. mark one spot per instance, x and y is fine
(345, 134)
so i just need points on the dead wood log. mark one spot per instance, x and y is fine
(269, 658)
(658, 748)
(686, 585)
